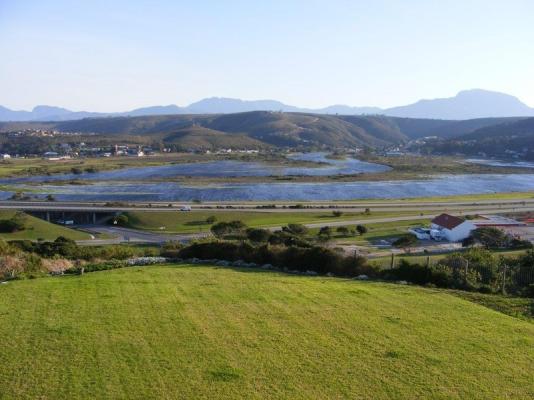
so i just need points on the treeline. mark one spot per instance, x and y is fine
(315, 259)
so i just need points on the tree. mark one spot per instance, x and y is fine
(16, 223)
(490, 237)
(361, 229)
(296, 229)
(405, 241)
(50, 197)
(337, 213)
(258, 235)
(325, 233)
(343, 230)
(222, 229)
(211, 219)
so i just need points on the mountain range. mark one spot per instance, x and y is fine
(468, 104)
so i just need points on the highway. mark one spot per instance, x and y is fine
(357, 206)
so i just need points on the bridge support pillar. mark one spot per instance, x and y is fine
(48, 216)
(94, 218)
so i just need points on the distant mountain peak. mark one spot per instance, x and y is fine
(467, 104)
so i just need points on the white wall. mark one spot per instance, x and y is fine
(459, 233)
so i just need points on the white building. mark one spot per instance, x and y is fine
(452, 228)
(5, 156)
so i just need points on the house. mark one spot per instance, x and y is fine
(452, 228)
(5, 156)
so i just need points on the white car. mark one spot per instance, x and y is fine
(185, 208)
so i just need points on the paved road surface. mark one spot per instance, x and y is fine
(466, 206)
(124, 235)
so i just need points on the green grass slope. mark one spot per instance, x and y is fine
(194, 221)
(37, 228)
(201, 332)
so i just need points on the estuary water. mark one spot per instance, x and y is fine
(229, 168)
(148, 183)
(171, 191)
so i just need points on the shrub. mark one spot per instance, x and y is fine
(222, 229)
(258, 235)
(56, 265)
(297, 229)
(343, 230)
(405, 240)
(325, 233)
(337, 213)
(490, 237)
(361, 229)
(10, 266)
(211, 220)
(10, 226)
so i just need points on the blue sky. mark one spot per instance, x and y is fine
(118, 55)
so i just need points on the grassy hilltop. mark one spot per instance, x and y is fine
(203, 332)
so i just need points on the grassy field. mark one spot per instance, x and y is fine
(203, 332)
(39, 229)
(194, 221)
(384, 230)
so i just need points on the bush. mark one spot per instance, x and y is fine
(257, 235)
(222, 229)
(57, 265)
(325, 233)
(405, 240)
(490, 237)
(11, 266)
(296, 229)
(343, 230)
(211, 220)
(315, 258)
(10, 226)
(337, 213)
(361, 229)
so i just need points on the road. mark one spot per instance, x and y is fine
(125, 235)
(526, 204)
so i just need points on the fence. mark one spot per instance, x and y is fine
(506, 277)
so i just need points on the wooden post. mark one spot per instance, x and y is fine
(504, 279)
(392, 265)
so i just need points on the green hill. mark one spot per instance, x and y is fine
(196, 332)
(258, 129)
(36, 228)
